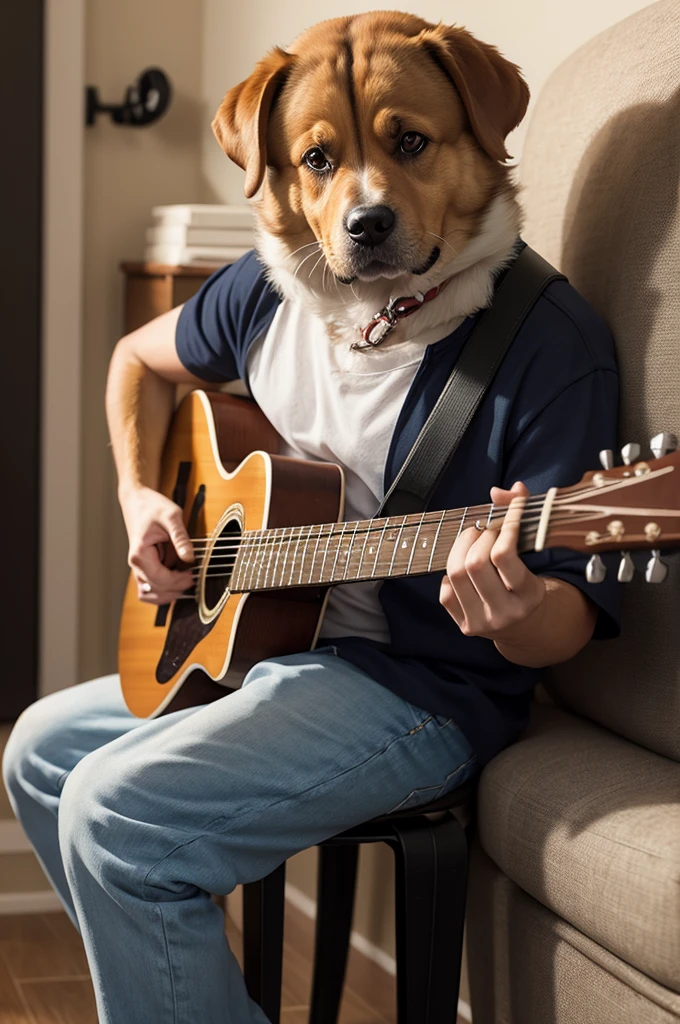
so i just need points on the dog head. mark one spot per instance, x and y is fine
(379, 140)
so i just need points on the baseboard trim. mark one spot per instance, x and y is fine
(43, 902)
(13, 839)
(306, 905)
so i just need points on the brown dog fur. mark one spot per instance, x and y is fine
(352, 86)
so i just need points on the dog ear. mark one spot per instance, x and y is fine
(240, 125)
(494, 93)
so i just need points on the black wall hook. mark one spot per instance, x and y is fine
(146, 100)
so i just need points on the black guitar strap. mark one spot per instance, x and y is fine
(520, 288)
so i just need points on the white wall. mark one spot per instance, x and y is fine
(536, 34)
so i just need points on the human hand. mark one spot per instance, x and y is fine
(158, 540)
(488, 591)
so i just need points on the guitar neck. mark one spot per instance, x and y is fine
(368, 549)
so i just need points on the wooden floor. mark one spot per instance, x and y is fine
(44, 977)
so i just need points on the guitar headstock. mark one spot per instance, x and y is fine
(621, 508)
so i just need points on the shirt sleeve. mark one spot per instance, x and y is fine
(556, 448)
(217, 325)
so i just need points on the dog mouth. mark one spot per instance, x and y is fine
(372, 269)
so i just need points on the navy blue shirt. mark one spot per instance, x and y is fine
(551, 408)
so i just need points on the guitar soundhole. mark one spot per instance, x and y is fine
(220, 564)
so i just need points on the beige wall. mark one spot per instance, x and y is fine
(536, 34)
(127, 171)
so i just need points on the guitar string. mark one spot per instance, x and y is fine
(247, 542)
(529, 535)
(359, 578)
(531, 502)
(448, 518)
(498, 513)
(446, 535)
(483, 509)
(265, 538)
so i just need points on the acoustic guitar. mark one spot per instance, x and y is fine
(269, 543)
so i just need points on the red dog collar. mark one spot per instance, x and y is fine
(384, 322)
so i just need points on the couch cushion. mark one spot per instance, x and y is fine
(589, 824)
(526, 965)
(600, 170)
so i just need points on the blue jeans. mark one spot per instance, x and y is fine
(136, 821)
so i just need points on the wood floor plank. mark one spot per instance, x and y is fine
(12, 1009)
(69, 941)
(46, 952)
(364, 977)
(31, 948)
(60, 1002)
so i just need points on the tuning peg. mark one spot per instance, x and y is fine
(662, 444)
(596, 570)
(656, 570)
(607, 458)
(626, 568)
(630, 452)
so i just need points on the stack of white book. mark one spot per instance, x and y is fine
(196, 233)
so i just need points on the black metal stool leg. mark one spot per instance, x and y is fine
(263, 907)
(431, 880)
(449, 919)
(414, 883)
(335, 905)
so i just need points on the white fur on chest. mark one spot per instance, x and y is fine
(345, 309)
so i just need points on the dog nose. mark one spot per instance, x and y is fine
(370, 225)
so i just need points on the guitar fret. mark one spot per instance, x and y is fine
(246, 577)
(396, 546)
(325, 555)
(290, 536)
(367, 534)
(316, 548)
(349, 550)
(284, 551)
(286, 557)
(415, 543)
(337, 553)
(272, 548)
(297, 545)
(436, 538)
(462, 523)
(304, 554)
(379, 545)
(257, 553)
(239, 563)
(278, 544)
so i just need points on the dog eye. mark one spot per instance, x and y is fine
(316, 159)
(412, 143)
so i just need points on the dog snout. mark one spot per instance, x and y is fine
(370, 225)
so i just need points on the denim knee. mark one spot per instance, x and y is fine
(29, 751)
(92, 829)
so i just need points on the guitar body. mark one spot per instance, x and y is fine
(220, 465)
(269, 542)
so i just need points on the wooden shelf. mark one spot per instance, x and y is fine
(168, 269)
(155, 288)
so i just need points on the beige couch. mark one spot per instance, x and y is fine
(575, 883)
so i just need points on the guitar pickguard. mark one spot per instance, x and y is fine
(186, 628)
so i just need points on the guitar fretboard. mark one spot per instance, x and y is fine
(367, 549)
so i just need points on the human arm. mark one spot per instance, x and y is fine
(489, 592)
(140, 395)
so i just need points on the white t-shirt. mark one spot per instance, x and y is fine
(334, 404)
